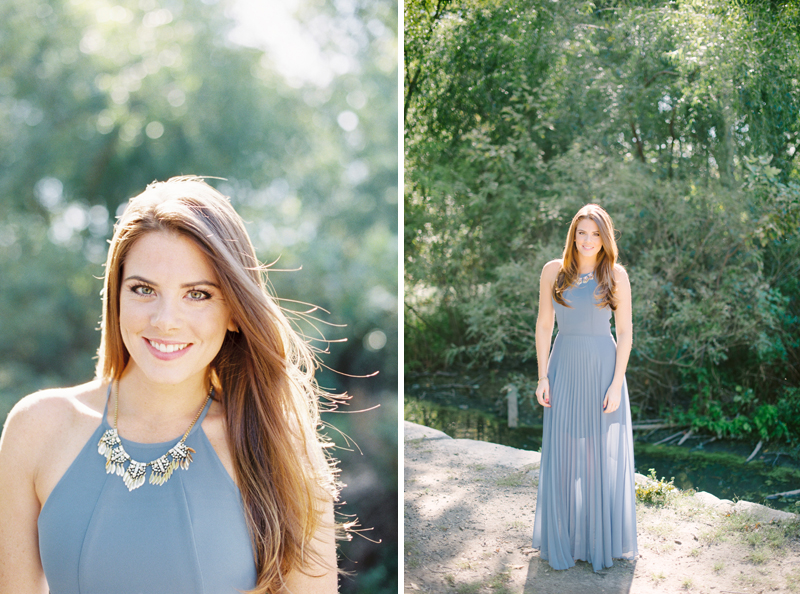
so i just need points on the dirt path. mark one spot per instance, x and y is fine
(469, 509)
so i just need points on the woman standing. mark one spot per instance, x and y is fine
(192, 463)
(585, 508)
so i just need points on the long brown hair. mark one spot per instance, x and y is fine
(606, 259)
(263, 374)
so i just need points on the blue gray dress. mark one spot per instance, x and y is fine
(188, 535)
(585, 507)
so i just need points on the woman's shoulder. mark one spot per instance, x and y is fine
(550, 270)
(56, 402)
(45, 431)
(620, 274)
(39, 416)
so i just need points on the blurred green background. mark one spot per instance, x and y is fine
(294, 103)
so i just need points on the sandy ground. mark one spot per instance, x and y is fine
(468, 519)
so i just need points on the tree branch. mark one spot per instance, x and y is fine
(639, 147)
(649, 81)
(688, 366)
(441, 5)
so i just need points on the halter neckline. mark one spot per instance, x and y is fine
(160, 444)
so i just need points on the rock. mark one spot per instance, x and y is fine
(761, 513)
(477, 452)
(413, 431)
(489, 454)
(707, 499)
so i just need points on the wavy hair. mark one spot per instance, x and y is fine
(606, 259)
(263, 374)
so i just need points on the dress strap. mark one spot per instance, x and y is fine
(108, 399)
(204, 413)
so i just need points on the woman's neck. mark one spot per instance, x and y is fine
(155, 403)
(585, 265)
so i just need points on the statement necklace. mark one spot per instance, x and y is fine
(180, 455)
(583, 279)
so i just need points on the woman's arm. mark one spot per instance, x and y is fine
(544, 329)
(322, 578)
(624, 329)
(20, 567)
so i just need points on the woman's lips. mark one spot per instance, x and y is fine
(167, 351)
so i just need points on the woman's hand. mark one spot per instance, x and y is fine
(543, 392)
(613, 396)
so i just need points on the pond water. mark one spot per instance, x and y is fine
(719, 472)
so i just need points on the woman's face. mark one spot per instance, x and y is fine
(587, 238)
(172, 318)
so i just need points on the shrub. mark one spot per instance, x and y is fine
(654, 491)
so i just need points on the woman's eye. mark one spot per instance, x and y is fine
(199, 295)
(142, 290)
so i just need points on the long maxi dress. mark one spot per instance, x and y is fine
(585, 507)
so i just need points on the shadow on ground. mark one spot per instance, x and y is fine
(543, 579)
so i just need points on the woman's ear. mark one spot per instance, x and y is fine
(232, 326)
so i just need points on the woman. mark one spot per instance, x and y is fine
(192, 463)
(585, 508)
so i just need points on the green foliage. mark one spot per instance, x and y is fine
(654, 491)
(743, 416)
(51, 297)
(431, 328)
(681, 119)
(789, 411)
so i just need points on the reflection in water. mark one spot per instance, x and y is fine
(471, 424)
(723, 474)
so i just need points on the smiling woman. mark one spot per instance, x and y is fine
(158, 294)
(585, 508)
(214, 400)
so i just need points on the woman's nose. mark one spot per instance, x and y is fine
(166, 315)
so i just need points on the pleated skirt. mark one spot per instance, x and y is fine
(585, 507)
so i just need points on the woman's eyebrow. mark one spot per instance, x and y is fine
(183, 286)
(200, 282)
(140, 278)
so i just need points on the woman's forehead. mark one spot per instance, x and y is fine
(168, 255)
(587, 224)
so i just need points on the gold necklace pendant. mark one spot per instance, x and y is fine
(179, 456)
